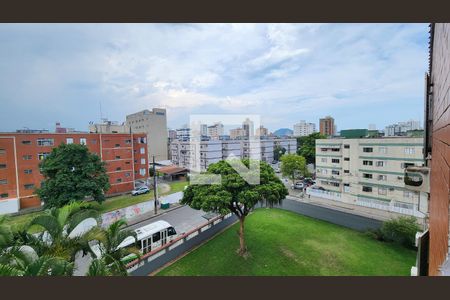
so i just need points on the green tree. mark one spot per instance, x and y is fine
(293, 165)
(401, 230)
(112, 257)
(58, 238)
(307, 146)
(72, 173)
(234, 194)
(278, 152)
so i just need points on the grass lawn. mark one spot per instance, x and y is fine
(285, 243)
(110, 204)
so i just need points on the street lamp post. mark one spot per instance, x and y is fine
(155, 188)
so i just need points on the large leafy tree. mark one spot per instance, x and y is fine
(307, 146)
(278, 152)
(293, 165)
(72, 173)
(234, 194)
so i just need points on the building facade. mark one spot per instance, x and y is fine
(327, 126)
(154, 124)
(20, 154)
(370, 173)
(215, 131)
(109, 127)
(186, 154)
(304, 129)
(401, 128)
(261, 131)
(237, 133)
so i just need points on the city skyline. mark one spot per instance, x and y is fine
(283, 72)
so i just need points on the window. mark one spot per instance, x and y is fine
(142, 150)
(2, 166)
(335, 160)
(118, 168)
(4, 195)
(142, 161)
(382, 191)
(405, 165)
(367, 149)
(347, 158)
(171, 231)
(128, 174)
(409, 150)
(336, 184)
(119, 180)
(128, 142)
(27, 157)
(117, 145)
(346, 187)
(117, 156)
(28, 171)
(45, 142)
(335, 149)
(127, 162)
(335, 172)
(367, 162)
(380, 163)
(366, 175)
(143, 140)
(156, 237)
(29, 186)
(3, 181)
(2, 151)
(69, 141)
(382, 177)
(346, 171)
(346, 146)
(82, 141)
(42, 156)
(407, 194)
(142, 171)
(26, 142)
(323, 159)
(367, 189)
(382, 150)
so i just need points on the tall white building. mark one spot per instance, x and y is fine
(154, 124)
(369, 173)
(186, 154)
(215, 131)
(401, 128)
(303, 129)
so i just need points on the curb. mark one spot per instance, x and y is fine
(154, 216)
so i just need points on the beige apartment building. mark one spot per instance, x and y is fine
(108, 127)
(370, 173)
(154, 124)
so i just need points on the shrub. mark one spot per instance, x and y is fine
(401, 231)
(375, 234)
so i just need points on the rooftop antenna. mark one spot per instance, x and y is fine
(101, 115)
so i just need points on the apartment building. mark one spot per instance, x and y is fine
(201, 154)
(327, 126)
(238, 133)
(304, 129)
(261, 131)
(215, 131)
(20, 154)
(108, 127)
(401, 128)
(154, 124)
(370, 173)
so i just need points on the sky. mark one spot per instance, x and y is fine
(360, 74)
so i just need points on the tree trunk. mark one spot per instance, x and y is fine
(242, 248)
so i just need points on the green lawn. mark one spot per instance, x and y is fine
(285, 243)
(110, 204)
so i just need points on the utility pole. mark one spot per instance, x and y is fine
(155, 187)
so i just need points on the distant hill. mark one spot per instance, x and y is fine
(283, 132)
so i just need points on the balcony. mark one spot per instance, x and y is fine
(417, 179)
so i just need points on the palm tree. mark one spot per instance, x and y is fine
(61, 236)
(28, 265)
(111, 261)
(6, 235)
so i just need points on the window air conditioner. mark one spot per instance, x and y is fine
(417, 179)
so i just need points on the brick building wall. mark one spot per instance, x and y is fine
(440, 133)
(20, 154)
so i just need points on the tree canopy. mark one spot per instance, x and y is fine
(234, 194)
(72, 173)
(307, 146)
(293, 165)
(278, 152)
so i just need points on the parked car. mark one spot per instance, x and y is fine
(308, 181)
(298, 186)
(140, 190)
(318, 188)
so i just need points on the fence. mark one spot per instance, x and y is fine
(393, 206)
(336, 196)
(157, 258)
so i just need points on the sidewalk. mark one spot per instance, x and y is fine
(151, 214)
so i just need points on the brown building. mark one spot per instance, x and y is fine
(437, 144)
(327, 126)
(20, 153)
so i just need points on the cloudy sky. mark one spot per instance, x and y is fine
(358, 73)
